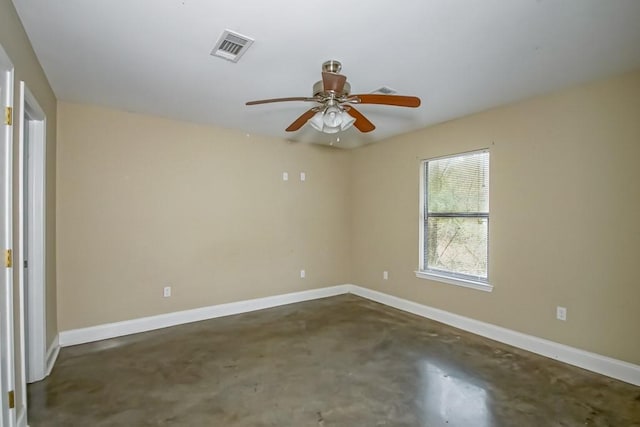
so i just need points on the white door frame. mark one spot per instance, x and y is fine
(7, 343)
(33, 296)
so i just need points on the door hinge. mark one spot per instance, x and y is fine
(12, 399)
(8, 258)
(8, 116)
(26, 264)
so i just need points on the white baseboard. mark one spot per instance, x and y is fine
(52, 355)
(608, 366)
(144, 324)
(614, 368)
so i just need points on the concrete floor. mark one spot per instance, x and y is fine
(341, 361)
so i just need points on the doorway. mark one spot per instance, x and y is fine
(31, 154)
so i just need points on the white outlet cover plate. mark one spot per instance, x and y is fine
(561, 313)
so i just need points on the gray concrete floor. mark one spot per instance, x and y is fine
(341, 361)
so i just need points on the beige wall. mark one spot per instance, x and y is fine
(565, 216)
(146, 202)
(27, 68)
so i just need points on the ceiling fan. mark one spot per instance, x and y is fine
(335, 110)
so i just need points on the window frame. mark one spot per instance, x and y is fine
(458, 279)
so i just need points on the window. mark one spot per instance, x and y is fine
(454, 229)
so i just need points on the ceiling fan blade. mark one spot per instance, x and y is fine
(334, 82)
(267, 101)
(362, 123)
(300, 121)
(397, 100)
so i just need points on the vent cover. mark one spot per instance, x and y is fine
(385, 90)
(231, 46)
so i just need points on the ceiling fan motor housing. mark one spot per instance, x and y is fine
(318, 90)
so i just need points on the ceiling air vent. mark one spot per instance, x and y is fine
(231, 46)
(385, 90)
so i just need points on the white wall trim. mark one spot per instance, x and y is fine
(52, 354)
(22, 418)
(604, 365)
(480, 286)
(8, 341)
(134, 326)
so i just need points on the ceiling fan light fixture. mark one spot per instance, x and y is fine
(330, 130)
(347, 121)
(316, 121)
(332, 117)
(332, 120)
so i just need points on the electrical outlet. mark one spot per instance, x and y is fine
(285, 176)
(302, 274)
(561, 313)
(166, 292)
(303, 176)
(385, 275)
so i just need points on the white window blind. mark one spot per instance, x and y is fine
(456, 216)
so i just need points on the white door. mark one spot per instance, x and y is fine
(31, 153)
(7, 373)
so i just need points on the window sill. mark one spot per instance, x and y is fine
(481, 286)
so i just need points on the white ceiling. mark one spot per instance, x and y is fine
(458, 56)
